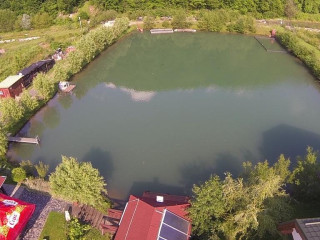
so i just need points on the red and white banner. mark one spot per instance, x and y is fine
(14, 215)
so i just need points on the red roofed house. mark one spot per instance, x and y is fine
(155, 216)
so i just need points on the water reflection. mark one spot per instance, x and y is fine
(65, 100)
(137, 96)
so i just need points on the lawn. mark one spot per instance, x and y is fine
(55, 229)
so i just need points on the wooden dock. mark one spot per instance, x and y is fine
(35, 140)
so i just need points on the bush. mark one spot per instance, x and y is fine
(148, 22)
(180, 20)
(309, 54)
(83, 15)
(42, 20)
(76, 230)
(28, 167)
(44, 86)
(244, 24)
(42, 169)
(166, 24)
(211, 21)
(18, 174)
(7, 20)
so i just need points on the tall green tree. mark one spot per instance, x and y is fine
(11, 112)
(3, 141)
(43, 85)
(7, 20)
(305, 177)
(27, 102)
(240, 208)
(78, 182)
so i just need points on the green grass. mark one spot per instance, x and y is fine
(55, 229)
(21, 54)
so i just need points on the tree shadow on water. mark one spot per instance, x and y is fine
(288, 140)
(101, 160)
(138, 188)
(199, 171)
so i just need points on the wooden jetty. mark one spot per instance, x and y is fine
(35, 140)
(161, 30)
(185, 30)
(69, 88)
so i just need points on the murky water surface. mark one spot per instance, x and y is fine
(161, 112)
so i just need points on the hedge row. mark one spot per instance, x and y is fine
(309, 54)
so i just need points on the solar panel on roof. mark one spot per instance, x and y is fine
(169, 233)
(176, 222)
(173, 227)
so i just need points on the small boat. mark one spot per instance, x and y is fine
(66, 86)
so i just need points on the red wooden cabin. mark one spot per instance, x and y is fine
(12, 86)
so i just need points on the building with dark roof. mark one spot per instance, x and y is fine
(301, 229)
(155, 216)
(30, 72)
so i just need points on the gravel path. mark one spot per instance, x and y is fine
(44, 205)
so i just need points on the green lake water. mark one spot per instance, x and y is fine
(162, 112)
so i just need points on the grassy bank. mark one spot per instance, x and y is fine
(308, 53)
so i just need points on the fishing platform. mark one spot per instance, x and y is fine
(35, 140)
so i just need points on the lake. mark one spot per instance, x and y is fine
(162, 112)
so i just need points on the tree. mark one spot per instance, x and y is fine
(11, 112)
(28, 103)
(305, 177)
(42, 20)
(18, 174)
(42, 169)
(241, 207)
(78, 182)
(43, 85)
(148, 22)
(3, 141)
(212, 21)
(28, 167)
(7, 20)
(180, 20)
(290, 9)
(26, 22)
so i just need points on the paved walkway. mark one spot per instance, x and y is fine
(44, 205)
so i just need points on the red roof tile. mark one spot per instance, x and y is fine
(142, 216)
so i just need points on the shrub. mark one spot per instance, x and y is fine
(44, 86)
(42, 20)
(148, 22)
(166, 24)
(309, 54)
(76, 230)
(18, 174)
(28, 167)
(3, 142)
(42, 169)
(180, 20)
(83, 15)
